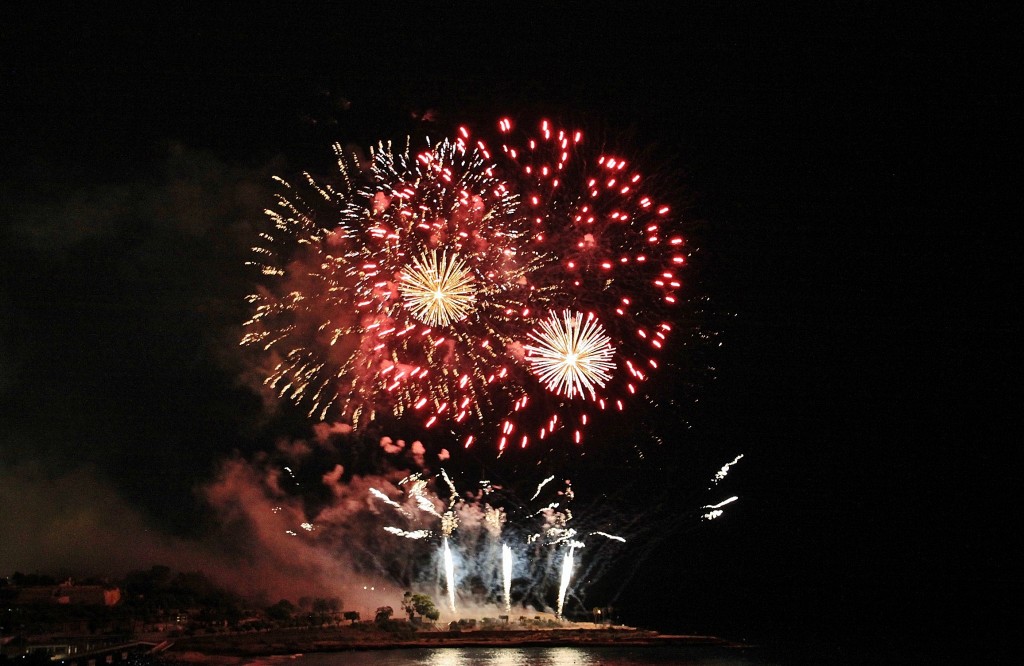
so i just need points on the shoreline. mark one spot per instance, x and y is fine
(227, 650)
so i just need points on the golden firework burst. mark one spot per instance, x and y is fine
(438, 290)
(572, 355)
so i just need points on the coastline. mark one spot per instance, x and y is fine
(234, 649)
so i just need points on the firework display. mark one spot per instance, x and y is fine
(504, 293)
(504, 289)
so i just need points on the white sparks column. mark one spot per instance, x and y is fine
(449, 572)
(506, 569)
(566, 573)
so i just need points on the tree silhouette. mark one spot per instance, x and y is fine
(384, 614)
(420, 604)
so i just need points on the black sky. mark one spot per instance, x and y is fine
(848, 171)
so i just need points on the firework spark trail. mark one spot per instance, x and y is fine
(541, 485)
(425, 505)
(415, 488)
(613, 537)
(449, 572)
(721, 504)
(387, 500)
(716, 509)
(506, 570)
(563, 586)
(451, 487)
(419, 294)
(415, 534)
(722, 473)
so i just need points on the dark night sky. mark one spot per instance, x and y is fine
(847, 165)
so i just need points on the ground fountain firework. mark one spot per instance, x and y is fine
(550, 545)
(507, 541)
(506, 576)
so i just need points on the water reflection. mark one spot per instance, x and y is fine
(486, 657)
(446, 658)
(564, 655)
(533, 656)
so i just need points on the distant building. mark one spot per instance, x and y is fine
(69, 593)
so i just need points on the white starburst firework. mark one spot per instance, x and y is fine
(572, 355)
(438, 290)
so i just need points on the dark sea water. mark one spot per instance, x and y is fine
(526, 656)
